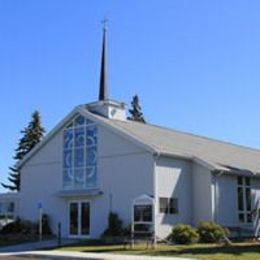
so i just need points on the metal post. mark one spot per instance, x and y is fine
(40, 224)
(59, 234)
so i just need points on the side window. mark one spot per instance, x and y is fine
(168, 205)
(244, 199)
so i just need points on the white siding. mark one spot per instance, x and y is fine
(41, 179)
(201, 194)
(173, 179)
(124, 172)
(226, 204)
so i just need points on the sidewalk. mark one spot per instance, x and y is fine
(55, 254)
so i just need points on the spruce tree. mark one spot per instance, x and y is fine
(136, 110)
(32, 135)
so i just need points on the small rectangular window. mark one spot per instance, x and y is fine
(168, 205)
(143, 213)
(10, 207)
(173, 206)
(247, 181)
(241, 217)
(249, 218)
(239, 180)
(240, 198)
(248, 199)
(163, 205)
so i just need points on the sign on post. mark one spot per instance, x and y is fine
(40, 220)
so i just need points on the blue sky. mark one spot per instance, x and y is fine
(194, 64)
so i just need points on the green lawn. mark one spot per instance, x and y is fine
(237, 251)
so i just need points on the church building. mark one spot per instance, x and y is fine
(96, 161)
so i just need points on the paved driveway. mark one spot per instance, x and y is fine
(67, 255)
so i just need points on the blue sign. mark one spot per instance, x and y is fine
(40, 205)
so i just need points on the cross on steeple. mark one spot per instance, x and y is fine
(104, 22)
(103, 85)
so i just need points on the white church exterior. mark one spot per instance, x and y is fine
(96, 161)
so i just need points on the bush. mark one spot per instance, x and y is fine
(183, 234)
(19, 226)
(211, 232)
(46, 230)
(115, 226)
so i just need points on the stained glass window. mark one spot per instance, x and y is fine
(80, 154)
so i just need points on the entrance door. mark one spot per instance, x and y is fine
(79, 216)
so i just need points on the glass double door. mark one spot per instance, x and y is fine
(79, 218)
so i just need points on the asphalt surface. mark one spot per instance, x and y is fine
(33, 257)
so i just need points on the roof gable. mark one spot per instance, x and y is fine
(97, 119)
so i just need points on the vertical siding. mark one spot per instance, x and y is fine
(201, 194)
(41, 179)
(173, 179)
(125, 172)
(226, 204)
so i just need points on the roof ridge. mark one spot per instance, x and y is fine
(200, 136)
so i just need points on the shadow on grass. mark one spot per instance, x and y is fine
(200, 250)
(235, 250)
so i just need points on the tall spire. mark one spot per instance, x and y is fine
(103, 85)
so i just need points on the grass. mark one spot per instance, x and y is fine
(238, 251)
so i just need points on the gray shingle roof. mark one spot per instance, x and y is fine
(218, 155)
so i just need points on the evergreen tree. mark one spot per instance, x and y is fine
(32, 135)
(136, 111)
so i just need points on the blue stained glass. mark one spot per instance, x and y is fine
(68, 138)
(80, 120)
(67, 178)
(79, 158)
(91, 177)
(91, 156)
(91, 136)
(67, 159)
(80, 154)
(89, 121)
(79, 137)
(79, 177)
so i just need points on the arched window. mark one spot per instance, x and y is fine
(80, 154)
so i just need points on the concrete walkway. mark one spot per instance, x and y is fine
(55, 254)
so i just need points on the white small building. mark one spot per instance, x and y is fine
(96, 161)
(9, 207)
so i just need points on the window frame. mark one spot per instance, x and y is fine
(172, 206)
(73, 127)
(244, 213)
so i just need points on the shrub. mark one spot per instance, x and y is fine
(183, 234)
(211, 232)
(46, 230)
(19, 226)
(115, 225)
